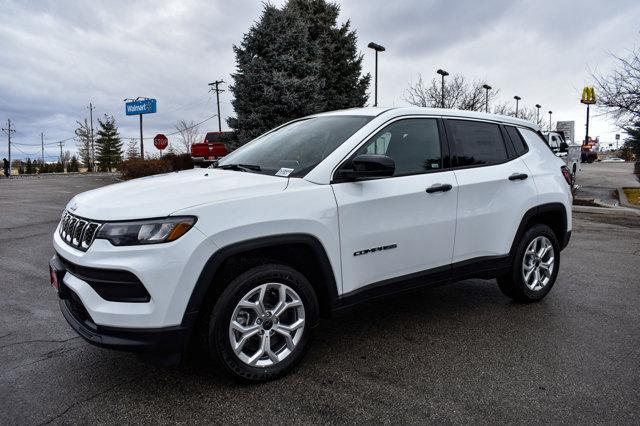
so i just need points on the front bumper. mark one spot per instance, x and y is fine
(160, 341)
(168, 272)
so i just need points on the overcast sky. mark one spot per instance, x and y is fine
(57, 56)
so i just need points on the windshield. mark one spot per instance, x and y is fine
(295, 149)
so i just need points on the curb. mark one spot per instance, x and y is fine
(624, 201)
(610, 211)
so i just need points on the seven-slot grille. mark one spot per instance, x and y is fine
(78, 232)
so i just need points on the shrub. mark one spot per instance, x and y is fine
(135, 168)
(179, 162)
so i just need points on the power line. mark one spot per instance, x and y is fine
(181, 130)
(46, 143)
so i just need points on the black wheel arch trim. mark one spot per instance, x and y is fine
(220, 256)
(563, 238)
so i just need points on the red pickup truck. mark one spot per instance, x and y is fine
(212, 148)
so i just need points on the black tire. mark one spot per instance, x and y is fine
(513, 284)
(217, 335)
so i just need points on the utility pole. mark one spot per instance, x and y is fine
(8, 131)
(92, 147)
(217, 90)
(42, 147)
(61, 158)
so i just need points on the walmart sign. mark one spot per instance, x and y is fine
(144, 106)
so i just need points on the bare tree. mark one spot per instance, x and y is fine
(66, 157)
(83, 132)
(458, 93)
(188, 134)
(133, 152)
(619, 91)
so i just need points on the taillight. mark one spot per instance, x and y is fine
(567, 175)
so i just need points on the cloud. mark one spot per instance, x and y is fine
(57, 56)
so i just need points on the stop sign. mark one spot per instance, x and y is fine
(160, 141)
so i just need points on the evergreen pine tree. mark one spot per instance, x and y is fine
(293, 62)
(29, 167)
(109, 145)
(83, 132)
(74, 165)
(344, 86)
(633, 142)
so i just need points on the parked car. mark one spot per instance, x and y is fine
(211, 149)
(568, 151)
(305, 221)
(613, 160)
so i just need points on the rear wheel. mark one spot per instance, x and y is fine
(261, 325)
(535, 266)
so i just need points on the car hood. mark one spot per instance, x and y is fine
(161, 195)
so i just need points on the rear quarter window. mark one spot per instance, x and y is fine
(516, 138)
(530, 137)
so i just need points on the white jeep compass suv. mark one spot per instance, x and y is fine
(308, 219)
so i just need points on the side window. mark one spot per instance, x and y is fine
(414, 144)
(477, 142)
(516, 139)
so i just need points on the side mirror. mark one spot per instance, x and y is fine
(368, 166)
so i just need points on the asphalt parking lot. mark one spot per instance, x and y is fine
(461, 353)
(599, 181)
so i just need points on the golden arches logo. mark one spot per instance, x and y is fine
(588, 95)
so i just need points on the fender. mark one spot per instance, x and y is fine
(217, 259)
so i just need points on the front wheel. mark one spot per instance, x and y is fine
(535, 266)
(261, 325)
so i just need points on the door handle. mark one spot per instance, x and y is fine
(518, 176)
(439, 187)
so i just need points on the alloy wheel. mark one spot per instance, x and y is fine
(537, 263)
(267, 324)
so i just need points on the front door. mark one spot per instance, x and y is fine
(393, 227)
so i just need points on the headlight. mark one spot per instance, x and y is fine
(150, 231)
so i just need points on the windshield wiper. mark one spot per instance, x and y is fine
(241, 167)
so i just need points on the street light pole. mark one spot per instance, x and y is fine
(550, 112)
(377, 48)
(538, 106)
(517, 98)
(486, 99)
(443, 73)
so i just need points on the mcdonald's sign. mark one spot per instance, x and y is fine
(588, 95)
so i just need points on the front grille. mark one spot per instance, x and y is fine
(78, 232)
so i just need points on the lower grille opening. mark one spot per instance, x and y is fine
(113, 285)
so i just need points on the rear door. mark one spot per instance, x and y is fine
(393, 227)
(494, 189)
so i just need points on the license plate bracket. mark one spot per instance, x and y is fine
(56, 275)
